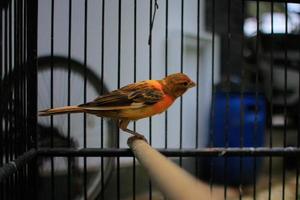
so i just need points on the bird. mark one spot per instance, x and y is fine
(132, 102)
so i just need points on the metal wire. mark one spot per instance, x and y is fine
(186, 152)
(134, 80)
(8, 169)
(271, 103)
(85, 99)
(227, 112)
(166, 66)
(119, 85)
(197, 92)
(285, 100)
(51, 98)
(256, 96)
(212, 111)
(242, 107)
(102, 90)
(6, 122)
(10, 116)
(69, 97)
(1, 103)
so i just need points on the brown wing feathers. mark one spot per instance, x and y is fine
(131, 96)
(127, 96)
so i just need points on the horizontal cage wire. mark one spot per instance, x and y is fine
(237, 132)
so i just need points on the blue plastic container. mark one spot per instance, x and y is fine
(227, 124)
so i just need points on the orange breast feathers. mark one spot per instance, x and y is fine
(147, 111)
(163, 104)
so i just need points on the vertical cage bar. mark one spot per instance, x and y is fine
(51, 98)
(256, 95)
(6, 86)
(271, 103)
(20, 54)
(119, 84)
(10, 88)
(17, 108)
(242, 105)
(23, 40)
(181, 70)
(69, 99)
(298, 135)
(9, 52)
(21, 71)
(227, 113)
(19, 95)
(84, 100)
(31, 44)
(1, 102)
(197, 90)
(166, 67)
(212, 112)
(13, 102)
(151, 22)
(134, 80)
(102, 89)
(285, 99)
(6, 103)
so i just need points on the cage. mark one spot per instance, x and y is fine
(237, 131)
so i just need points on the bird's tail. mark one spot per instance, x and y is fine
(61, 110)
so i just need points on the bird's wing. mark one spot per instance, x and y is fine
(131, 96)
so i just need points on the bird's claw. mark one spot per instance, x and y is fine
(136, 137)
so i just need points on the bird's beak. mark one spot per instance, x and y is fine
(191, 84)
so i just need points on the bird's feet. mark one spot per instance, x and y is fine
(136, 135)
(134, 138)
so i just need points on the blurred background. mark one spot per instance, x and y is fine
(243, 54)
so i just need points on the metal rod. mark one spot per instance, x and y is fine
(298, 134)
(256, 96)
(6, 158)
(166, 67)
(187, 152)
(1, 103)
(242, 105)
(30, 42)
(197, 91)
(69, 97)
(119, 85)
(102, 90)
(181, 70)
(85, 189)
(51, 98)
(134, 80)
(271, 104)
(227, 112)
(17, 106)
(10, 103)
(11, 167)
(285, 100)
(150, 77)
(212, 111)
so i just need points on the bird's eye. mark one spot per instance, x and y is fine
(185, 83)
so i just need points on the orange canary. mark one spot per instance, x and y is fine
(134, 101)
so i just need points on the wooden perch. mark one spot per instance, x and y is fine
(174, 182)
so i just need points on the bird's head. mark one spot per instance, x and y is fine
(177, 84)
